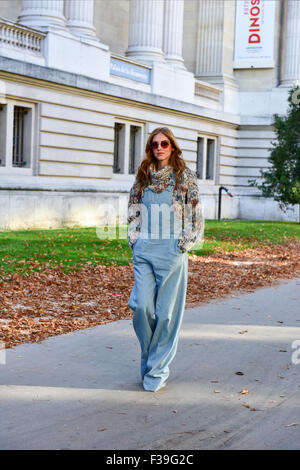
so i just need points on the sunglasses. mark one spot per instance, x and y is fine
(164, 144)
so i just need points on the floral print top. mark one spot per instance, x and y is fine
(185, 203)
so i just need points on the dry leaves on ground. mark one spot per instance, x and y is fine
(51, 302)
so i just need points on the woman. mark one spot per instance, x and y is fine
(160, 246)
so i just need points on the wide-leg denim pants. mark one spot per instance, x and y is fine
(159, 292)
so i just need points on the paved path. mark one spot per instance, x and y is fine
(82, 390)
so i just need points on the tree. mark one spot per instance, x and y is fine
(281, 180)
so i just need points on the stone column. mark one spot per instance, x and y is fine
(40, 14)
(215, 42)
(215, 46)
(210, 39)
(173, 31)
(291, 73)
(80, 17)
(146, 30)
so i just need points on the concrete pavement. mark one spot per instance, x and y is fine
(82, 390)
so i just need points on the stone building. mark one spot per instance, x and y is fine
(84, 82)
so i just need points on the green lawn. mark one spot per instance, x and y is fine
(24, 251)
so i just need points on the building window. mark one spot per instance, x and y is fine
(119, 148)
(200, 146)
(3, 119)
(16, 138)
(134, 149)
(128, 148)
(206, 158)
(210, 159)
(19, 137)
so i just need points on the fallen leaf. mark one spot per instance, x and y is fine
(243, 332)
(249, 407)
(292, 424)
(244, 392)
(95, 287)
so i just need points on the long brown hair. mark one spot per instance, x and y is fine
(175, 161)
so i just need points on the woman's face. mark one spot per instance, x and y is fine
(162, 149)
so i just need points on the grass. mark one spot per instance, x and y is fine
(232, 235)
(24, 251)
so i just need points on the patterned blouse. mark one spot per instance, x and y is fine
(185, 203)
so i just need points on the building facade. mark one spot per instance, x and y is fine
(84, 82)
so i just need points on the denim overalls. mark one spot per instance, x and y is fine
(159, 292)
